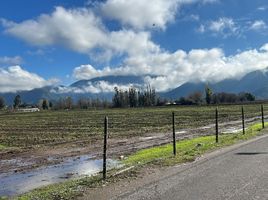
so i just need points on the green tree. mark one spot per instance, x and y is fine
(45, 104)
(17, 101)
(2, 102)
(208, 95)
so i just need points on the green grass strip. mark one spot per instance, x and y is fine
(189, 149)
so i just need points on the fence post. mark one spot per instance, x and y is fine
(217, 127)
(174, 133)
(105, 147)
(262, 116)
(243, 120)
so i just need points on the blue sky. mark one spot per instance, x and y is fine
(61, 41)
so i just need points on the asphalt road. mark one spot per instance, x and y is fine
(239, 172)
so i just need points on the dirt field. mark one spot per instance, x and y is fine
(30, 140)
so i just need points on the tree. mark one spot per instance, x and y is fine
(68, 103)
(250, 97)
(45, 104)
(195, 97)
(133, 99)
(116, 98)
(17, 101)
(208, 95)
(2, 102)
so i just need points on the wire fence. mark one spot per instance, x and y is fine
(128, 130)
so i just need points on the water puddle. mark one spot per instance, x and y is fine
(232, 130)
(18, 183)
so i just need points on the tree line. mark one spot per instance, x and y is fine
(197, 98)
(134, 98)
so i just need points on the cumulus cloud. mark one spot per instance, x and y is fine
(141, 14)
(80, 30)
(16, 60)
(15, 78)
(77, 29)
(174, 69)
(258, 25)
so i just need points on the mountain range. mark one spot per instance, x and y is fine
(255, 82)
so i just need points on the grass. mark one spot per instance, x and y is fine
(187, 150)
(190, 149)
(2, 147)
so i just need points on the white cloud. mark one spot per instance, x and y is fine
(95, 88)
(174, 69)
(81, 31)
(16, 60)
(223, 25)
(77, 29)
(264, 47)
(141, 14)
(258, 25)
(262, 8)
(15, 78)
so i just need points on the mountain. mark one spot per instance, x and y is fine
(255, 82)
(102, 87)
(120, 80)
(82, 88)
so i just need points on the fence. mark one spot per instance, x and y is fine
(232, 115)
(127, 130)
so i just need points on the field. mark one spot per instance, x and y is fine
(129, 129)
(31, 140)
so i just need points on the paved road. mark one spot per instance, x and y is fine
(239, 172)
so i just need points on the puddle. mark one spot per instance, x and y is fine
(232, 130)
(180, 132)
(18, 183)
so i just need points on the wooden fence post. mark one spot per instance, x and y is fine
(105, 147)
(243, 120)
(262, 116)
(174, 133)
(217, 126)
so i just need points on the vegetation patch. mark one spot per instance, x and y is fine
(190, 149)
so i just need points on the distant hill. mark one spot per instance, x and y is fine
(255, 82)
(54, 93)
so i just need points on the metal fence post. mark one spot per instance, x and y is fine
(174, 133)
(262, 116)
(105, 146)
(243, 120)
(217, 126)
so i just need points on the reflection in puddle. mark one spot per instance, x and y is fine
(18, 183)
(232, 130)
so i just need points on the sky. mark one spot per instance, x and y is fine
(58, 42)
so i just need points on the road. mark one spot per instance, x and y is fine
(238, 172)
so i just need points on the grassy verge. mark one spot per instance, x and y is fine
(2, 147)
(187, 150)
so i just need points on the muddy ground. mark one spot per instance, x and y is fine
(26, 159)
